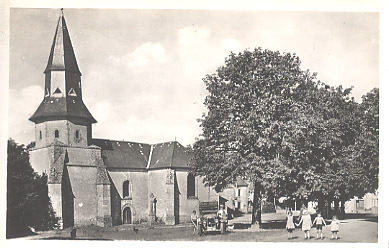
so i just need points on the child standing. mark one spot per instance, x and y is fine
(307, 224)
(319, 221)
(335, 227)
(290, 224)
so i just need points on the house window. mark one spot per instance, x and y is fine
(77, 134)
(238, 192)
(56, 134)
(40, 135)
(126, 189)
(191, 185)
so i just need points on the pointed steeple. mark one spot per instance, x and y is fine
(62, 54)
(62, 93)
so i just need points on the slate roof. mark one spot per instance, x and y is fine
(62, 108)
(132, 155)
(62, 55)
(122, 154)
(62, 58)
(169, 155)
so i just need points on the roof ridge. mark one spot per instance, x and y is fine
(125, 141)
(137, 142)
(161, 143)
(150, 156)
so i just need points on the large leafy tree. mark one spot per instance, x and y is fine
(335, 130)
(28, 203)
(250, 129)
(276, 125)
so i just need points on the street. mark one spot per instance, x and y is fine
(354, 228)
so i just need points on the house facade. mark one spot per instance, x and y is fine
(100, 181)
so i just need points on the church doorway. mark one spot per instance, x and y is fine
(127, 216)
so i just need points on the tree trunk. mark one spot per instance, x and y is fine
(342, 208)
(327, 203)
(337, 210)
(321, 205)
(259, 214)
(256, 213)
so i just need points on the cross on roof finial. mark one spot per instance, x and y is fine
(62, 11)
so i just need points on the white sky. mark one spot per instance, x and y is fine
(143, 69)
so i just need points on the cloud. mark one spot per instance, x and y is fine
(231, 45)
(195, 49)
(22, 104)
(193, 36)
(103, 111)
(145, 54)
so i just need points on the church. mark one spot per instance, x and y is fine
(100, 181)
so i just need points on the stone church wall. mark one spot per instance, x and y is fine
(205, 193)
(115, 205)
(187, 205)
(163, 192)
(83, 182)
(137, 200)
(45, 133)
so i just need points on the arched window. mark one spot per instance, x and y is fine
(126, 189)
(191, 189)
(56, 134)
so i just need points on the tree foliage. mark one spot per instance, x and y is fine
(367, 143)
(28, 203)
(271, 122)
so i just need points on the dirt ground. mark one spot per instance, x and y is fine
(354, 228)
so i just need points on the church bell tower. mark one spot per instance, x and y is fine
(62, 115)
(78, 183)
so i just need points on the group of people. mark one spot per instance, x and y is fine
(306, 224)
(197, 223)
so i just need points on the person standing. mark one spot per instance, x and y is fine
(290, 224)
(222, 217)
(319, 221)
(306, 222)
(335, 227)
(193, 219)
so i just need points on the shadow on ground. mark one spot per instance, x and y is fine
(265, 225)
(19, 232)
(274, 225)
(362, 216)
(68, 238)
(242, 226)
